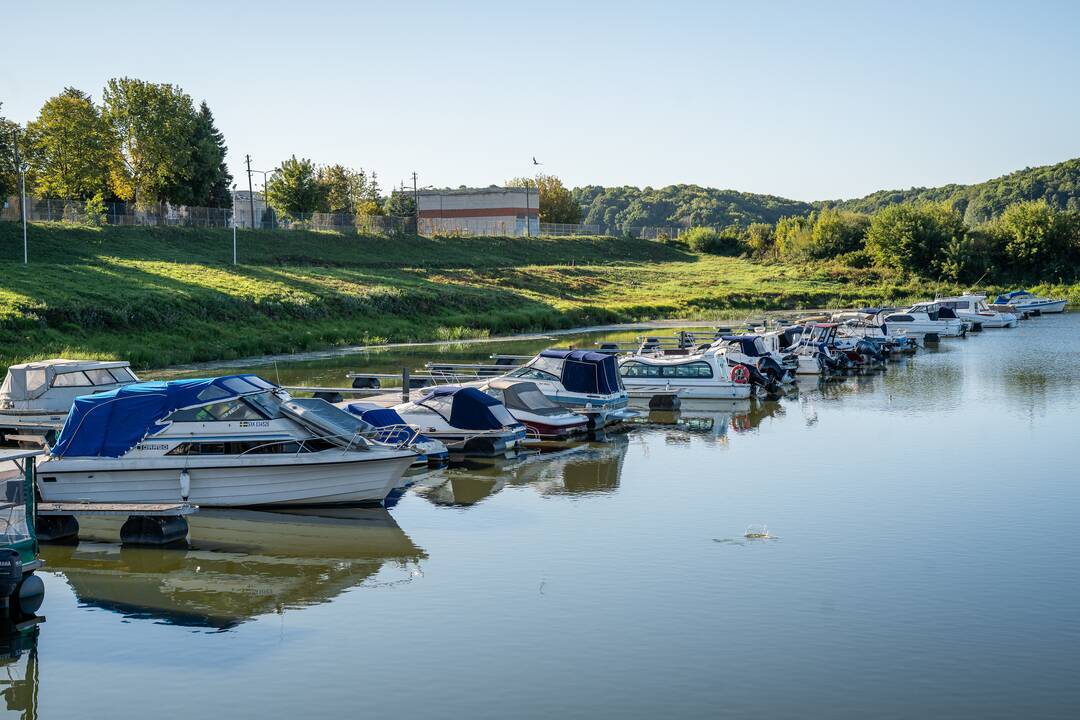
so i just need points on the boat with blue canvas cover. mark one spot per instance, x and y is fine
(391, 427)
(1028, 302)
(227, 442)
(585, 381)
(464, 419)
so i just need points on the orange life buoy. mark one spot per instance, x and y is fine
(740, 374)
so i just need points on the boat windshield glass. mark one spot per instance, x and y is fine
(35, 381)
(235, 409)
(241, 385)
(532, 374)
(442, 404)
(549, 365)
(71, 379)
(122, 375)
(13, 526)
(267, 403)
(100, 377)
(759, 345)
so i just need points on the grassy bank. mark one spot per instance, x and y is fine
(162, 296)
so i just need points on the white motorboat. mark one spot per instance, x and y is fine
(973, 308)
(703, 375)
(463, 418)
(543, 417)
(921, 320)
(36, 396)
(816, 351)
(586, 382)
(762, 351)
(1027, 302)
(229, 441)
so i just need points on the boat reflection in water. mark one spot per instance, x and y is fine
(714, 418)
(584, 468)
(240, 564)
(19, 667)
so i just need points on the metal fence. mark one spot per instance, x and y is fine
(165, 214)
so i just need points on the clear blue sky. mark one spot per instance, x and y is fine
(805, 100)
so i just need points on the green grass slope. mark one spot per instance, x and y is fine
(162, 296)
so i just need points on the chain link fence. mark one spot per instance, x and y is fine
(165, 214)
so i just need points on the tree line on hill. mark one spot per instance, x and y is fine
(1030, 241)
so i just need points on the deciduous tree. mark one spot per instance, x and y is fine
(294, 189)
(557, 204)
(153, 125)
(69, 147)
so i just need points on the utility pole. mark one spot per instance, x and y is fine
(251, 194)
(22, 196)
(416, 202)
(528, 223)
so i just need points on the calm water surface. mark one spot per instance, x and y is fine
(925, 564)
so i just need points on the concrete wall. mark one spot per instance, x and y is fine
(481, 211)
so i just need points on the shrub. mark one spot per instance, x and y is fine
(95, 210)
(707, 240)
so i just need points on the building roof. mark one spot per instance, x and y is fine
(478, 191)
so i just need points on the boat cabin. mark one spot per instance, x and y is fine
(749, 345)
(52, 385)
(579, 371)
(21, 592)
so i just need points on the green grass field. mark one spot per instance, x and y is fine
(163, 296)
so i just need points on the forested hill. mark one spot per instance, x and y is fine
(621, 208)
(1058, 184)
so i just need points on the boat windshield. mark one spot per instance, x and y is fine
(13, 525)
(267, 403)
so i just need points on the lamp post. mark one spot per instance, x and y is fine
(266, 199)
(232, 221)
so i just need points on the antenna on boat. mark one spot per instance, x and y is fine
(277, 373)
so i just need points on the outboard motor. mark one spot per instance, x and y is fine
(10, 576)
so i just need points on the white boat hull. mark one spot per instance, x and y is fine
(324, 478)
(1055, 306)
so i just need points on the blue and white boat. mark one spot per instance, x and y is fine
(229, 441)
(584, 381)
(1027, 302)
(464, 419)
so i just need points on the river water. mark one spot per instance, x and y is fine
(922, 563)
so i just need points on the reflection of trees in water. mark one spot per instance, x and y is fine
(585, 468)
(241, 564)
(19, 671)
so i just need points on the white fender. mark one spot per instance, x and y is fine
(185, 484)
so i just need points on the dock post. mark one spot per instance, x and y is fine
(405, 383)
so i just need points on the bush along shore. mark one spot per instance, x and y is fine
(164, 296)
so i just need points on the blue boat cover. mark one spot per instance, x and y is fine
(587, 372)
(384, 418)
(469, 409)
(1008, 297)
(746, 342)
(109, 424)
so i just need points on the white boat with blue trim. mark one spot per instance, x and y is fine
(231, 441)
(1027, 302)
(584, 381)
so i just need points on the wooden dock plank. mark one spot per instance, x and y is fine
(144, 509)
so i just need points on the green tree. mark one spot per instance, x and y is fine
(294, 188)
(206, 180)
(915, 237)
(401, 203)
(9, 174)
(557, 204)
(1037, 240)
(837, 232)
(153, 125)
(69, 147)
(344, 190)
(761, 239)
(794, 236)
